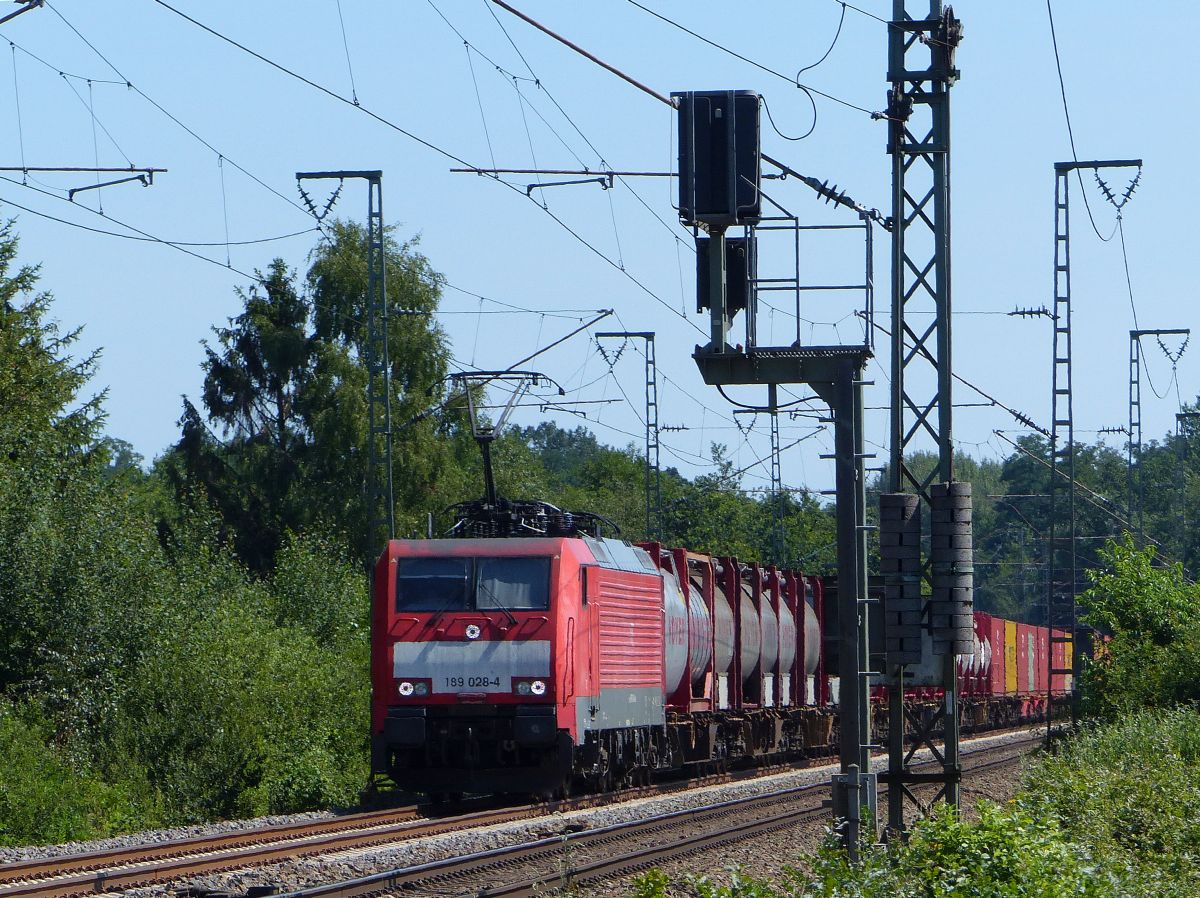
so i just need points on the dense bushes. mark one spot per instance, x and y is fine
(192, 688)
(1008, 851)
(235, 713)
(1149, 612)
(1131, 791)
(45, 798)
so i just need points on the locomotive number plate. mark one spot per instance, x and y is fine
(480, 682)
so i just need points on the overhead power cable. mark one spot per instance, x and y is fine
(1070, 131)
(837, 34)
(313, 84)
(795, 82)
(425, 143)
(1018, 416)
(145, 237)
(864, 12)
(1093, 498)
(586, 55)
(1128, 279)
(145, 96)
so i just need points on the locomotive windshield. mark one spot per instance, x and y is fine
(433, 584)
(473, 584)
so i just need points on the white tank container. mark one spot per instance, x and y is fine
(675, 624)
(770, 636)
(699, 634)
(722, 632)
(812, 634)
(787, 639)
(751, 631)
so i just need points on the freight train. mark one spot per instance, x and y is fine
(542, 664)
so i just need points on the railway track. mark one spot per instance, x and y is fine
(532, 869)
(123, 868)
(111, 870)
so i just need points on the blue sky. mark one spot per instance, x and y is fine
(148, 306)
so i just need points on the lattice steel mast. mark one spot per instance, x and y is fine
(1136, 482)
(1062, 612)
(921, 70)
(380, 501)
(653, 459)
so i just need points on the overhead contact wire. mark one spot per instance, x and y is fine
(422, 141)
(537, 82)
(129, 84)
(479, 101)
(346, 47)
(95, 148)
(1062, 86)
(96, 120)
(146, 238)
(224, 210)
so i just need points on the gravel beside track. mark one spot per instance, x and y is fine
(778, 848)
(769, 856)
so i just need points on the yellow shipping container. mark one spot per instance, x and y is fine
(1010, 657)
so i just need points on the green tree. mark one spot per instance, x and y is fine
(286, 386)
(46, 433)
(253, 385)
(335, 405)
(1147, 612)
(41, 411)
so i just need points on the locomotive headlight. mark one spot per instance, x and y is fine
(406, 688)
(538, 687)
(421, 689)
(523, 688)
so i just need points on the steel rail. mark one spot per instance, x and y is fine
(195, 844)
(437, 873)
(99, 871)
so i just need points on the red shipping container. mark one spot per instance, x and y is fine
(1042, 635)
(993, 631)
(1026, 660)
(1059, 651)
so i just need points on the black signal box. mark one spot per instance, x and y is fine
(719, 157)
(740, 269)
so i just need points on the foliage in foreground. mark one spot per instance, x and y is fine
(1114, 812)
(43, 797)
(1150, 611)
(1130, 790)
(1008, 851)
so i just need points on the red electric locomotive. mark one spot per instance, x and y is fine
(528, 664)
